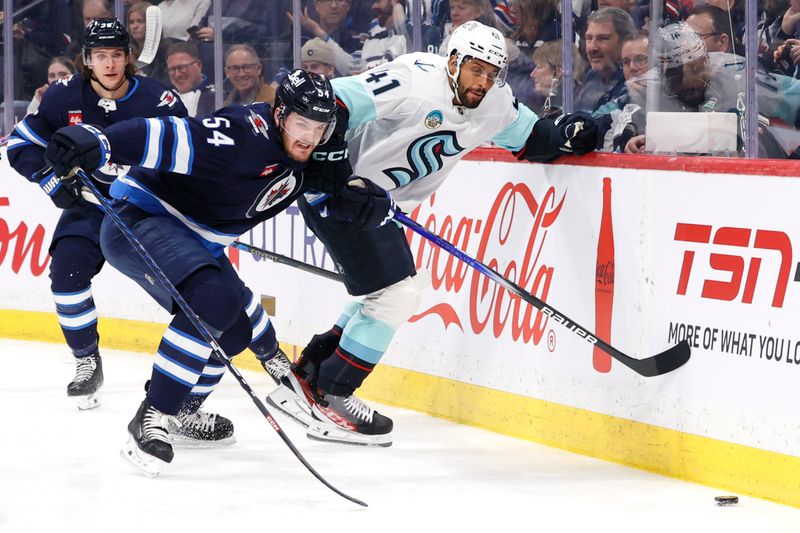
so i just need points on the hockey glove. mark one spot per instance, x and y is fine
(362, 203)
(578, 133)
(65, 195)
(81, 146)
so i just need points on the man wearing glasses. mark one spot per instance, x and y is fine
(185, 71)
(713, 26)
(243, 69)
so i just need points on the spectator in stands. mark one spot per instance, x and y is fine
(389, 34)
(317, 56)
(186, 76)
(733, 9)
(537, 22)
(615, 119)
(178, 16)
(713, 26)
(691, 79)
(333, 28)
(606, 30)
(59, 67)
(137, 28)
(462, 11)
(95, 9)
(548, 74)
(243, 69)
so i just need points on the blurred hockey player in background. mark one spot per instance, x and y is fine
(408, 123)
(199, 184)
(105, 93)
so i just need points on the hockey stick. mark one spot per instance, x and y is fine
(284, 260)
(659, 364)
(201, 327)
(152, 37)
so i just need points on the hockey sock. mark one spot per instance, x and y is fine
(322, 346)
(76, 260)
(208, 380)
(180, 362)
(363, 343)
(263, 342)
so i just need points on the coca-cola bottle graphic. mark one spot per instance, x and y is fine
(604, 281)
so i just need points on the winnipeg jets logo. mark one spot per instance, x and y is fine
(279, 189)
(425, 157)
(258, 124)
(168, 99)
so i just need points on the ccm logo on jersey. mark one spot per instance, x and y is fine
(168, 99)
(279, 189)
(337, 155)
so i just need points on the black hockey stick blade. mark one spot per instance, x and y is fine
(656, 365)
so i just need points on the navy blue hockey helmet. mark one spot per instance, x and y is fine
(105, 33)
(307, 94)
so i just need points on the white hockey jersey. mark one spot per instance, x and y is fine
(405, 133)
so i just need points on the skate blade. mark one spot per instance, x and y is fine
(146, 464)
(324, 432)
(179, 441)
(288, 403)
(88, 402)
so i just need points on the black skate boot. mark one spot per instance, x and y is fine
(85, 386)
(277, 366)
(348, 420)
(195, 428)
(148, 446)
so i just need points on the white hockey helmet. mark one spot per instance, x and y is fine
(678, 44)
(476, 40)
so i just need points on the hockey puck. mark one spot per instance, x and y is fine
(726, 500)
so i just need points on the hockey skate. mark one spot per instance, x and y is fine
(200, 430)
(277, 366)
(294, 397)
(148, 447)
(85, 386)
(348, 420)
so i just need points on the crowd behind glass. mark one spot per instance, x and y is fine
(679, 65)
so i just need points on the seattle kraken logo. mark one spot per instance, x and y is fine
(425, 157)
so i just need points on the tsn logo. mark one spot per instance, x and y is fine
(761, 244)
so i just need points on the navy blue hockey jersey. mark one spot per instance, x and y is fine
(219, 175)
(72, 101)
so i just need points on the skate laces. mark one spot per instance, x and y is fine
(279, 365)
(199, 420)
(85, 367)
(358, 408)
(154, 424)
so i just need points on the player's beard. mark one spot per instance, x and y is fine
(470, 99)
(296, 149)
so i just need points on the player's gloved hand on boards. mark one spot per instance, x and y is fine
(578, 133)
(362, 203)
(81, 146)
(64, 194)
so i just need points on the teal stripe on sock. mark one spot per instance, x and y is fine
(366, 338)
(349, 310)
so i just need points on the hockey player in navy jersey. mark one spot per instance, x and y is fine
(104, 93)
(409, 122)
(199, 183)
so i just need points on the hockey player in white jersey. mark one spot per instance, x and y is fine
(409, 122)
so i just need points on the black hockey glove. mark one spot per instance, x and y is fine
(578, 133)
(65, 194)
(362, 203)
(81, 146)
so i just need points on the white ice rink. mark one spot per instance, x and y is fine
(61, 472)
